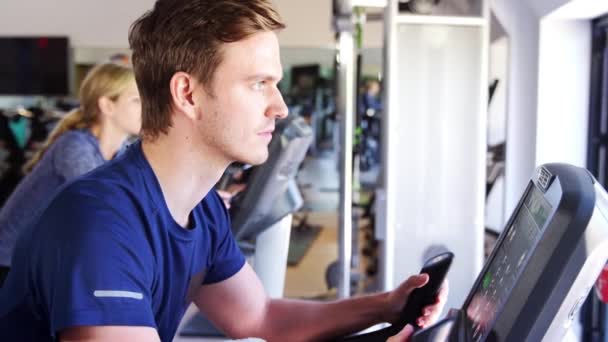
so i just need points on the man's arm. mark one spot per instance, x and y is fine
(110, 258)
(109, 333)
(239, 306)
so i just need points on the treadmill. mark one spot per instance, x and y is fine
(543, 267)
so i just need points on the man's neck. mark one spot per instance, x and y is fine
(185, 170)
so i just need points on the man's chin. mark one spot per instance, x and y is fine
(255, 160)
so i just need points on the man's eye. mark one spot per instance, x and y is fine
(259, 85)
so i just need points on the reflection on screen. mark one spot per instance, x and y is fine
(505, 268)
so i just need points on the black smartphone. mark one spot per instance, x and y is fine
(437, 268)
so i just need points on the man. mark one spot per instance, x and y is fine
(120, 253)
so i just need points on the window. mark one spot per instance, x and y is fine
(593, 314)
(598, 116)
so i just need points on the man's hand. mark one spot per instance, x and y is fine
(403, 336)
(226, 197)
(231, 191)
(398, 299)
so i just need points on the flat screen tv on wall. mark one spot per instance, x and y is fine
(34, 66)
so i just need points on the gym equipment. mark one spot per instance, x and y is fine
(544, 265)
(418, 6)
(437, 269)
(272, 191)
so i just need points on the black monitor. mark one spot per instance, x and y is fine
(271, 191)
(34, 66)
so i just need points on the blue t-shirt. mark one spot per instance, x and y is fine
(106, 251)
(73, 154)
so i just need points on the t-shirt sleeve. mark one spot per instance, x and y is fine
(227, 256)
(101, 274)
(74, 156)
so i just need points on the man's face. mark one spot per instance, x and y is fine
(238, 118)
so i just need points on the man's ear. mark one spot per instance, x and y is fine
(182, 87)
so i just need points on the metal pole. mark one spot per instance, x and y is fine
(346, 109)
(386, 223)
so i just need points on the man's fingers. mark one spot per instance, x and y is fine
(443, 292)
(403, 336)
(416, 281)
(431, 312)
(236, 188)
(224, 194)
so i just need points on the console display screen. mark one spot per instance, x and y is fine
(505, 267)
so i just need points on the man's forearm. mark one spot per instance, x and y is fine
(293, 320)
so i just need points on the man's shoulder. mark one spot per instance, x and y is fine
(119, 177)
(86, 212)
(106, 188)
(213, 201)
(95, 188)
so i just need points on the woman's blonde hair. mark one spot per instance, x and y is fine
(104, 80)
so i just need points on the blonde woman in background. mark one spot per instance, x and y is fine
(110, 112)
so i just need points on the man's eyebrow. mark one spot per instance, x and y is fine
(266, 77)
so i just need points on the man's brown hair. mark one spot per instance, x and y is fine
(187, 35)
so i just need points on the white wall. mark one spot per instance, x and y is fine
(106, 23)
(499, 69)
(535, 95)
(545, 7)
(569, 9)
(522, 27)
(563, 98)
(308, 23)
(87, 23)
(98, 29)
(580, 9)
(497, 116)
(435, 158)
